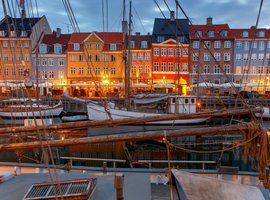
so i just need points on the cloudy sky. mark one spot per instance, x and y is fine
(237, 13)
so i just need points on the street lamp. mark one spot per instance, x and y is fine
(61, 77)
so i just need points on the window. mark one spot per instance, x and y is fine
(97, 58)
(88, 46)
(156, 51)
(80, 70)
(97, 71)
(227, 69)
(113, 71)
(223, 33)
(216, 69)
(156, 65)
(6, 71)
(217, 44)
(211, 34)
(13, 72)
(195, 69)
(195, 56)
(61, 62)
(252, 70)
(260, 69)
(19, 57)
(267, 70)
(267, 56)
(132, 44)
(170, 67)
(27, 57)
(140, 69)
(113, 47)
(227, 56)
(51, 75)
(185, 52)
(76, 47)
(89, 70)
(97, 46)
(177, 67)
(44, 62)
(246, 45)
(245, 69)
(245, 56)
(163, 67)
(260, 34)
(113, 58)
(5, 57)
(140, 56)
(144, 45)
(12, 44)
(206, 69)
(106, 70)
(134, 56)
(44, 75)
(184, 67)
(238, 56)
(57, 49)
(254, 44)
(20, 72)
(133, 69)
(72, 57)
(170, 52)
(261, 45)
(160, 39)
(254, 56)
(207, 44)
(50, 62)
(217, 56)
(80, 58)
(178, 51)
(19, 43)
(5, 44)
(261, 56)
(198, 34)
(206, 56)
(238, 44)
(227, 44)
(26, 44)
(147, 56)
(72, 70)
(2, 34)
(105, 57)
(245, 34)
(163, 52)
(147, 69)
(196, 44)
(23, 33)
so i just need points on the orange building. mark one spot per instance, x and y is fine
(170, 63)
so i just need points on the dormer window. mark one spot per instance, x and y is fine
(211, 34)
(223, 33)
(57, 48)
(198, 34)
(132, 44)
(144, 45)
(12, 33)
(160, 39)
(23, 34)
(76, 47)
(2, 34)
(245, 34)
(113, 47)
(43, 48)
(260, 34)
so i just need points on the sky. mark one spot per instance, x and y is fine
(88, 13)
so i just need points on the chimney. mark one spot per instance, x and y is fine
(172, 16)
(58, 32)
(137, 33)
(209, 21)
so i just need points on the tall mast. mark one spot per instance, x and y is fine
(126, 29)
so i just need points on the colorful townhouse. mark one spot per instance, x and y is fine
(141, 59)
(211, 54)
(52, 59)
(19, 37)
(170, 46)
(252, 54)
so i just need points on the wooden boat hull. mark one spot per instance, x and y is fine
(97, 112)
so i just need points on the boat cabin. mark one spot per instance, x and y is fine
(182, 104)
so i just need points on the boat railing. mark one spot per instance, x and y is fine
(114, 161)
(203, 162)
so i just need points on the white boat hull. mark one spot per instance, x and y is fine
(97, 112)
(25, 112)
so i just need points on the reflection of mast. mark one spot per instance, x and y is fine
(126, 28)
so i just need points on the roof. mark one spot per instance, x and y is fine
(252, 33)
(217, 28)
(51, 39)
(78, 37)
(169, 28)
(18, 24)
(139, 38)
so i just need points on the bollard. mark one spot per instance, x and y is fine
(104, 167)
(118, 185)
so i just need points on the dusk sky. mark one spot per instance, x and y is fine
(237, 13)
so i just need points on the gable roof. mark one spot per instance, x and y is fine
(51, 39)
(78, 37)
(252, 33)
(217, 28)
